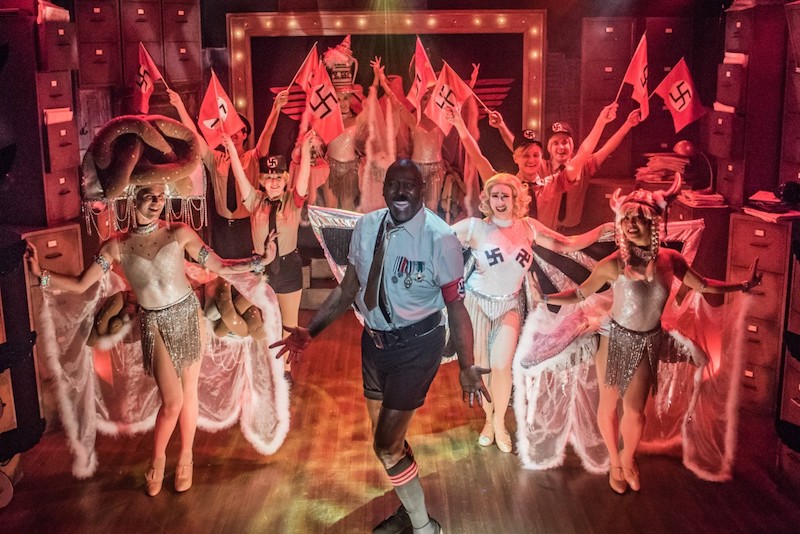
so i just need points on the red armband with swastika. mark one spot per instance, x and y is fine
(453, 291)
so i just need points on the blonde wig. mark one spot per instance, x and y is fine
(519, 193)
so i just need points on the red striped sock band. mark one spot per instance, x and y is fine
(403, 472)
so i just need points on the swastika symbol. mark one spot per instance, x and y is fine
(319, 102)
(680, 94)
(523, 257)
(494, 256)
(143, 79)
(444, 97)
(272, 162)
(643, 78)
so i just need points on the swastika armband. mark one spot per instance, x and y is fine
(453, 291)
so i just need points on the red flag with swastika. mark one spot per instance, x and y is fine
(423, 75)
(680, 96)
(636, 75)
(217, 114)
(322, 105)
(144, 81)
(450, 90)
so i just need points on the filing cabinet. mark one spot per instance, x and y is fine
(606, 48)
(21, 420)
(668, 40)
(58, 48)
(60, 250)
(726, 135)
(181, 22)
(140, 22)
(766, 318)
(40, 186)
(731, 86)
(748, 139)
(730, 180)
(99, 43)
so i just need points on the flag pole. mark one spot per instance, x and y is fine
(301, 64)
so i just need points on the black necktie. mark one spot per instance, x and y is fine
(274, 206)
(375, 292)
(230, 196)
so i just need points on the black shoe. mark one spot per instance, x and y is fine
(394, 524)
(287, 375)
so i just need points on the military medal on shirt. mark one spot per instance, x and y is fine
(408, 270)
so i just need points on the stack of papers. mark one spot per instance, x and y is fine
(661, 167)
(697, 199)
(770, 216)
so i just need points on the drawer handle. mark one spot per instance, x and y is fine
(53, 255)
(727, 178)
(64, 144)
(64, 192)
(56, 95)
(753, 340)
(759, 245)
(100, 61)
(748, 385)
(757, 292)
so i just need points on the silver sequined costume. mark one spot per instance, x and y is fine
(635, 327)
(168, 304)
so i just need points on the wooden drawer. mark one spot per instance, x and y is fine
(668, 38)
(726, 135)
(602, 78)
(97, 21)
(58, 48)
(63, 151)
(607, 38)
(762, 341)
(738, 31)
(100, 64)
(181, 22)
(791, 138)
(768, 298)
(62, 196)
(789, 172)
(732, 85)
(182, 61)
(141, 21)
(54, 89)
(790, 391)
(59, 249)
(730, 181)
(758, 388)
(756, 238)
(130, 59)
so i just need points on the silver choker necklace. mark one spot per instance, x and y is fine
(147, 229)
(643, 254)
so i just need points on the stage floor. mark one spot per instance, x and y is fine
(326, 479)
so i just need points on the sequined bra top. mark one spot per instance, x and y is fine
(638, 304)
(427, 145)
(159, 282)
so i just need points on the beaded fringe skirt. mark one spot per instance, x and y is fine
(485, 313)
(626, 348)
(179, 326)
(343, 178)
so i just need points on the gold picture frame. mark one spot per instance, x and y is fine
(528, 24)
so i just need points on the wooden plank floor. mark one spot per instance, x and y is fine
(325, 478)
